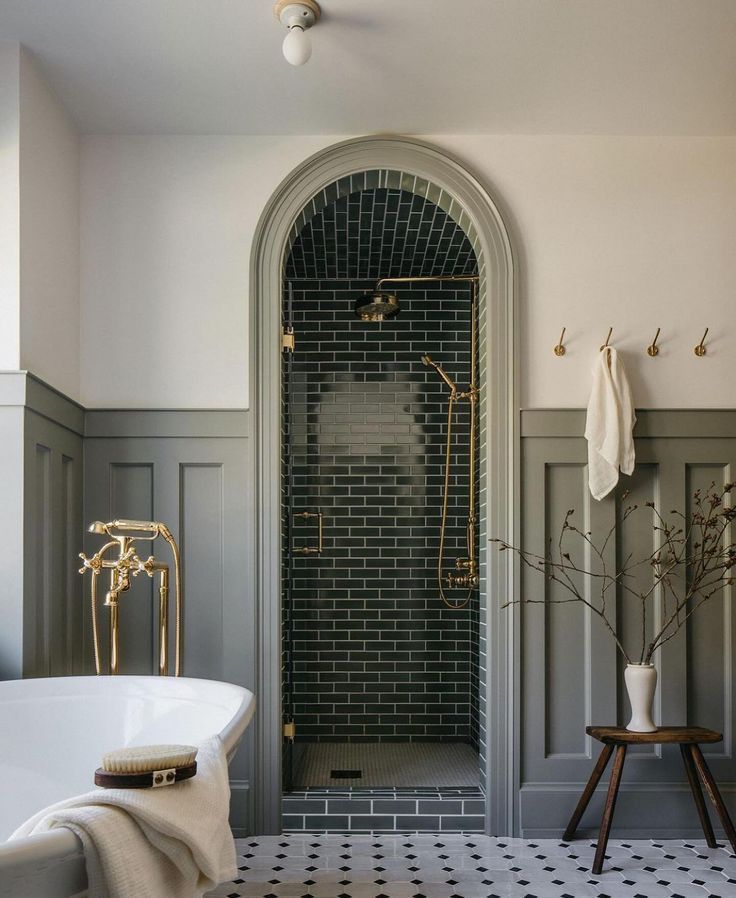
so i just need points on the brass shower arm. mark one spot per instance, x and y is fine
(468, 278)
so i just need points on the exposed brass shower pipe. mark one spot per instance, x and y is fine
(467, 568)
(123, 536)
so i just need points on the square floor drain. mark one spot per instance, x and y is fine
(346, 774)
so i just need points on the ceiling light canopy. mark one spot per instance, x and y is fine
(298, 18)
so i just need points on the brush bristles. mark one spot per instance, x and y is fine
(144, 758)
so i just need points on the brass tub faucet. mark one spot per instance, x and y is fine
(123, 564)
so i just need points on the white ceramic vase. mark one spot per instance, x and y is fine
(641, 682)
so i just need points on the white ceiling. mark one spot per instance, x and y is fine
(411, 66)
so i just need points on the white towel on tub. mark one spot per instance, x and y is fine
(171, 842)
(609, 424)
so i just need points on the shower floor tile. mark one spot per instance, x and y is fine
(403, 765)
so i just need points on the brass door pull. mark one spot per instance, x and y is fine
(310, 550)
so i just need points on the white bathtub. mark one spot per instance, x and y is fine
(53, 733)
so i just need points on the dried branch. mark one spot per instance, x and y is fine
(691, 564)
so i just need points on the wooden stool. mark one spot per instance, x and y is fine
(618, 738)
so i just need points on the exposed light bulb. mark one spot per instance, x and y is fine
(297, 16)
(297, 46)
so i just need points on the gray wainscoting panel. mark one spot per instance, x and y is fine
(52, 517)
(40, 511)
(571, 674)
(202, 487)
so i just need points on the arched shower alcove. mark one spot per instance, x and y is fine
(425, 171)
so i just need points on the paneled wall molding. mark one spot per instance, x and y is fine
(168, 423)
(650, 423)
(571, 673)
(193, 470)
(241, 809)
(23, 389)
(63, 466)
(41, 459)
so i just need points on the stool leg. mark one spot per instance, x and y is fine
(618, 766)
(588, 791)
(692, 778)
(715, 796)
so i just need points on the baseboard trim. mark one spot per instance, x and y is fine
(241, 808)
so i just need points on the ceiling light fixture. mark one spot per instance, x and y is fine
(298, 18)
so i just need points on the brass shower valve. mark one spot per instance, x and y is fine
(93, 564)
(465, 581)
(150, 566)
(468, 580)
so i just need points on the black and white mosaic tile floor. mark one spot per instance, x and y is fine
(306, 865)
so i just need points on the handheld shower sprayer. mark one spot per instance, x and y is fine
(428, 361)
(123, 534)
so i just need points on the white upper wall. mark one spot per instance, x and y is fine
(633, 233)
(167, 224)
(9, 208)
(49, 234)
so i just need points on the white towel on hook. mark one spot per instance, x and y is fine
(173, 842)
(609, 424)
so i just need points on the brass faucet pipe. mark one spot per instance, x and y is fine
(471, 395)
(163, 623)
(443, 525)
(95, 633)
(114, 642)
(167, 535)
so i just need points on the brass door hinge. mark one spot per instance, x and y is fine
(290, 730)
(287, 339)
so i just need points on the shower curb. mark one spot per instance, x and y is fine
(384, 810)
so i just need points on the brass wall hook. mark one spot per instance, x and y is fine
(700, 349)
(605, 345)
(653, 350)
(560, 348)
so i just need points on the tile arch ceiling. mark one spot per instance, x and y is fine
(381, 224)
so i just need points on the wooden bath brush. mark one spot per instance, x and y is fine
(146, 766)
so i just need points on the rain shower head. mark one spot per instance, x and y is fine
(376, 306)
